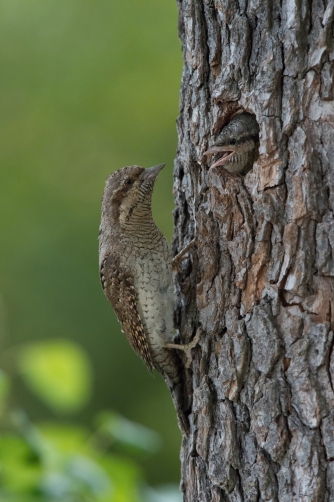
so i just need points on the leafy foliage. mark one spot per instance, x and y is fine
(55, 461)
(66, 382)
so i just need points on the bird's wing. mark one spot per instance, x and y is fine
(118, 287)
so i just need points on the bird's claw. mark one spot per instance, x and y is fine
(178, 259)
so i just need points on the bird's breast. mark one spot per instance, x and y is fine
(154, 286)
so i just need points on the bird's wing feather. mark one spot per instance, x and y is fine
(118, 287)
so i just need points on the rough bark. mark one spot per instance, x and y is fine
(260, 383)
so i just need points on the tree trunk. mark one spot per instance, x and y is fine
(260, 382)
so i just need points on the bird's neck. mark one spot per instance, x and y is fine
(140, 226)
(241, 158)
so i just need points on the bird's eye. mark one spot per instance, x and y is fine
(233, 141)
(128, 181)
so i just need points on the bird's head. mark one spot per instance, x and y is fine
(238, 142)
(128, 191)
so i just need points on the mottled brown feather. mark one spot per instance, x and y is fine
(119, 289)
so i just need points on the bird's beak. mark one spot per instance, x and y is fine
(151, 173)
(226, 152)
(215, 149)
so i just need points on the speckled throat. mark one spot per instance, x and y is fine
(240, 163)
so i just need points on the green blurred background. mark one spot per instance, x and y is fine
(87, 86)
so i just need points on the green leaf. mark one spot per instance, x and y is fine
(65, 438)
(77, 475)
(20, 467)
(126, 479)
(58, 372)
(129, 433)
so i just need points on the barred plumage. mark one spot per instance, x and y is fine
(236, 148)
(136, 274)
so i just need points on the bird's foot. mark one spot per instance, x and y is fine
(178, 259)
(187, 346)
